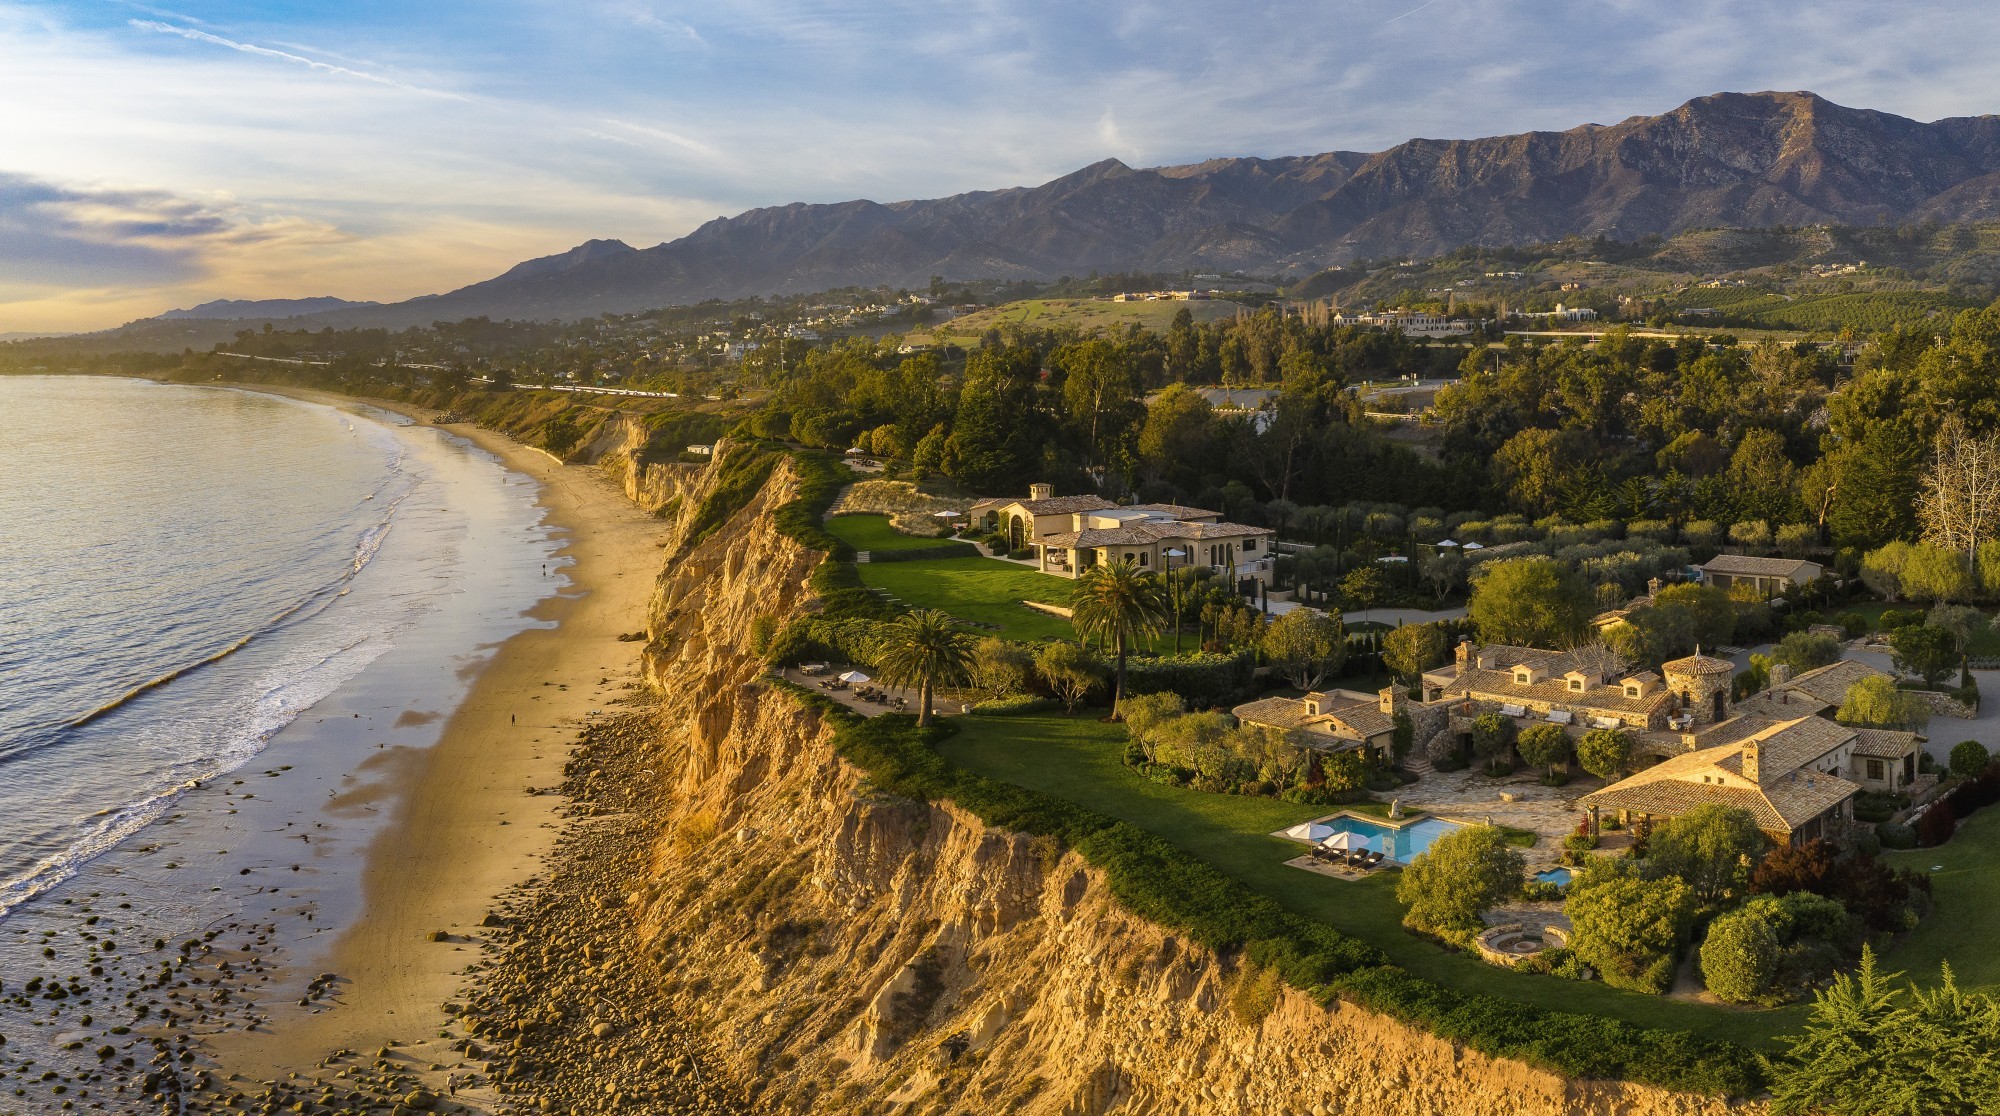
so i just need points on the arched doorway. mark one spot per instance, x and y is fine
(1720, 699)
(1016, 534)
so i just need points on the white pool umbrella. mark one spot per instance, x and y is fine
(1345, 839)
(853, 676)
(1309, 831)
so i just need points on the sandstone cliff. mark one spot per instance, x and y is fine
(852, 951)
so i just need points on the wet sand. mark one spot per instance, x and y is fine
(465, 823)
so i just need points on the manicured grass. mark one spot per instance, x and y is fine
(872, 532)
(983, 589)
(1079, 758)
(1086, 314)
(1967, 890)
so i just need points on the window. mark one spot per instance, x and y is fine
(1875, 770)
(1576, 685)
(1520, 678)
(1145, 558)
(1249, 545)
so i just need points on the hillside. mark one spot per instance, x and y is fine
(1086, 314)
(1729, 159)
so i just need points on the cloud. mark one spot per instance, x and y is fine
(645, 17)
(286, 56)
(52, 233)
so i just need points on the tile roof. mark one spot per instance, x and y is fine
(1787, 795)
(1065, 505)
(1698, 664)
(1135, 534)
(1499, 685)
(1758, 567)
(1177, 511)
(1276, 712)
(1361, 717)
(1828, 685)
(1884, 743)
(1791, 745)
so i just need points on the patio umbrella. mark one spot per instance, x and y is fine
(1345, 839)
(853, 676)
(946, 514)
(1309, 831)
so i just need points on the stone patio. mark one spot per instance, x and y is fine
(1473, 796)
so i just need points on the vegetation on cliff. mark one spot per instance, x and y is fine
(1180, 891)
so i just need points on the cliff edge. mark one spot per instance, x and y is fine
(850, 950)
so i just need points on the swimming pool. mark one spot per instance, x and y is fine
(1401, 844)
(1557, 876)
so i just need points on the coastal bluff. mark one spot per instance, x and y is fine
(847, 950)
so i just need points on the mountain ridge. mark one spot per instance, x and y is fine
(1727, 159)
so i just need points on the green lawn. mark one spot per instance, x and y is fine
(1967, 889)
(1079, 759)
(1985, 642)
(983, 589)
(872, 532)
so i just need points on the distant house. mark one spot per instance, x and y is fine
(1070, 534)
(1768, 577)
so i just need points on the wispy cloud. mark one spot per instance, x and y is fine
(286, 56)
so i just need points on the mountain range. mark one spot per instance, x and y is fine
(239, 309)
(1731, 159)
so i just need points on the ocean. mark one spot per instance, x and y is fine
(185, 571)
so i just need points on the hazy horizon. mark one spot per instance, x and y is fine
(168, 157)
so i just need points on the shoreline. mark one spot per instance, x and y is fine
(466, 824)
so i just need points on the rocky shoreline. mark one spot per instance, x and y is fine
(565, 1011)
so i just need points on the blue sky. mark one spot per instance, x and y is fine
(154, 155)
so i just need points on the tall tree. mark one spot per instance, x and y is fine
(1306, 645)
(1960, 503)
(1533, 602)
(1117, 602)
(924, 650)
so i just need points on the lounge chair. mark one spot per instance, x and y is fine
(1372, 859)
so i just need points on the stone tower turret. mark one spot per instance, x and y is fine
(1702, 685)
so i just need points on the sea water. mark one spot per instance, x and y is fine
(185, 570)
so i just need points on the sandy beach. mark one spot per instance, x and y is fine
(464, 824)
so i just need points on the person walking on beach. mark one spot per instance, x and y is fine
(451, 1084)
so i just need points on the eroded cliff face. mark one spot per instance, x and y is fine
(853, 951)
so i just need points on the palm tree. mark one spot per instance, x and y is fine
(1117, 602)
(922, 649)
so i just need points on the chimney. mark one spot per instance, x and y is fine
(1781, 673)
(1041, 491)
(1751, 762)
(1464, 655)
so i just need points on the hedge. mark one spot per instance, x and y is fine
(1014, 705)
(1203, 680)
(920, 553)
(1177, 890)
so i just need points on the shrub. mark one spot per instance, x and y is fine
(1936, 825)
(1604, 752)
(1627, 928)
(1543, 745)
(1463, 872)
(1492, 734)
(1711, 849)
(1739, 959)
(1013, 705)
(1896, 835)
(1804, 651)
(1204, 679)
(1969, 758)
(1853, 624)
